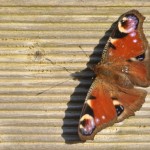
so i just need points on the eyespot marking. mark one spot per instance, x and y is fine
(119, 109)
(141, 57)
(128, 24)
(87, 125)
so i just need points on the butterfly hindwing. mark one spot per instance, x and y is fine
(128, 101)
(137, 72)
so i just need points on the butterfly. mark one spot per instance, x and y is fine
(125, 65)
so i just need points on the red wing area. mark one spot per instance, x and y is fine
(127, 47)
(98, 111)
(128, 101)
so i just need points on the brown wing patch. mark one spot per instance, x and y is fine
(131, 100)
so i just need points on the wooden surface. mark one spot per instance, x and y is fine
(44, 49)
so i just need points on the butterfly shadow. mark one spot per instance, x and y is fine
(77, 98)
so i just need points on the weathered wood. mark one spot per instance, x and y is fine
(46, 3)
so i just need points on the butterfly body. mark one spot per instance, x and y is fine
(125, 64)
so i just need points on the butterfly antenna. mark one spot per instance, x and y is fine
(52, 87)
(83, 51)
(58, 83)
(58, 65)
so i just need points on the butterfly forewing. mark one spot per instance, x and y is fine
(98, 111)
(127, 40)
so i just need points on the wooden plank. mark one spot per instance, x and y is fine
(74, 3)
(71, 10)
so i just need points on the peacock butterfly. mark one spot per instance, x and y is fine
(125, 64)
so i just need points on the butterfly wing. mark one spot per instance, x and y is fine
(98, 110)
(127, 39)
(138, 72)
(128, 101)
(107, 104)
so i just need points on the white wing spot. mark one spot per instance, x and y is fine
(135, 41)
(103, 117)
(132, 34)
(97, 120)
